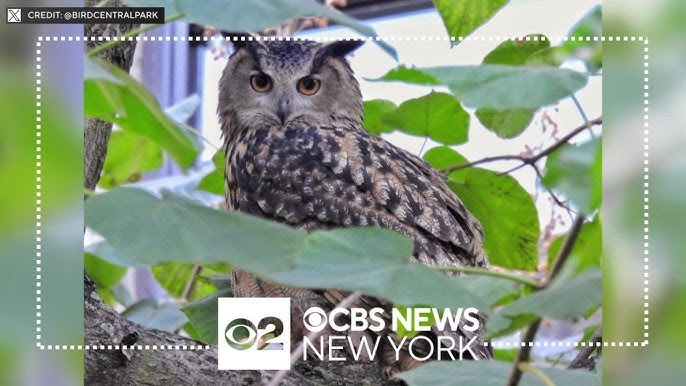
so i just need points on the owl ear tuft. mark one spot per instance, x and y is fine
(337, 50)
(243, 39)
(342, 48)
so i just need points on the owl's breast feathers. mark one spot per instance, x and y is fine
(339, 176)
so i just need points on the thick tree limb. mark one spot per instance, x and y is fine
(104, 326)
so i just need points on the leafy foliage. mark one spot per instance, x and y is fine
(508, 215)
(374, 110)
(126, 103)
(463, 17)
(256, 15)
(214, 181)
(436, 115)
(576, 170)
(191, 248)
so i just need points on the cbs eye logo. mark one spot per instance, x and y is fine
(254, 333)
(315, 319)
(241, 334)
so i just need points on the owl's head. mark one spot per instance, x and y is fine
(277, 82)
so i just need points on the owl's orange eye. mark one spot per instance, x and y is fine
(260, 83)
(308, 85)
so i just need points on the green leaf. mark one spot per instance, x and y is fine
(103, 273)
(129, 105)
(511, 123)
(435, 115)
(122, 294)
(174, 278)
(369, 260)
(406, 74)
(506, 123)
(442, 157)
(256, 15)
(128, 156)
(504, 87)
(184, 109)
(489, 373)
(508, 215)
(591, 52)
(491, 289)
(373, 110)
(562, 300)
(576, 171)
(462, 17)
(587, 249)
(202, 314)
(505, 355)
(105, 251)
(214, 182)
(516, 52)
(499, 325)
(165, 316)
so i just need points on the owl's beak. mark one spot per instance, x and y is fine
(284, 110)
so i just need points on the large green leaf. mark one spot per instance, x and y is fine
(104, 274)
(504, 87)
(576, 171)
(506, 123)
(184, 109)
(105, 251)
(214, 182)
(563, 300)
(462, 17)
(590, 52)
(587, 248)
(490, 373)
(442, 157)
(369, 260)
(175, 277)
(406, 74)
(516, 52)
(202, 314)
(373, 111)
(435, 115)
(256, 15)
(128, 156)
(129, 105)
(511, 123)
(508, 215)
(165, 316)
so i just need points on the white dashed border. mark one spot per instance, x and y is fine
(646, 169)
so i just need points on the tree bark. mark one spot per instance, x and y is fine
(111, 367)
(96, 132)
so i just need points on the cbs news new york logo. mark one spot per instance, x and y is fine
(254, 333)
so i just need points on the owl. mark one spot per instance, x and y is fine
(297, 152)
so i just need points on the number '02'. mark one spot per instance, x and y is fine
(241, 333)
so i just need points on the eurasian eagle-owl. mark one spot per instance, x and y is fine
(297, 152)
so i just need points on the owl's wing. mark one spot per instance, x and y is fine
(330, 177)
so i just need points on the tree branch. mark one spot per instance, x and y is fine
(530, 334)
(503, 275)
(528, 160)
(111, 367)
(583, 359)
(96, 133)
